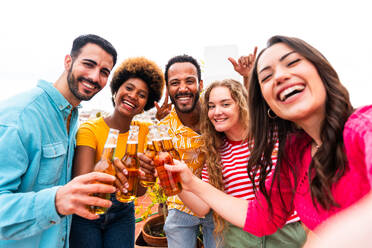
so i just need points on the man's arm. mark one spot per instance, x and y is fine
(24, 214)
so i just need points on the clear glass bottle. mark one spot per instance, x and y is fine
(170, 181)
(131, 163)
(105, 165)
(150, 152)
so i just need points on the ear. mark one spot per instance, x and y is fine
(68, 62)
(201, 85)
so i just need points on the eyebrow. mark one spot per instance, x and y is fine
(95, 63)
(281, 59)
(223, 100)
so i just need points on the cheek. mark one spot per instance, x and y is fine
(266, 93)
(210, 115)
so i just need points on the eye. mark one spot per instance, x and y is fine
(293, 62)
(143, 96)
(190, 81)
(128, 88)
(266, 78)
(226, 105)
(105, 73)
(89, 65)
(210, 106)
(174, 83)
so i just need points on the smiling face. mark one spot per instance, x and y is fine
(131, 97)
(88, 72)
(224, 112)
(183, 86)
(290, 84)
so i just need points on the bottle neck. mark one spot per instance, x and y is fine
(131, 148)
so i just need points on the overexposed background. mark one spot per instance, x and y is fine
(35, 36)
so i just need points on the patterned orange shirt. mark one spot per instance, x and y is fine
(188, 144)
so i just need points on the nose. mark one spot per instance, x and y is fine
(183, 87)
(132, 94)
(217, 110)
(94, 76)
(281, 75)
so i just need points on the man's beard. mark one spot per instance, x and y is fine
(73, 84)
(193, 105)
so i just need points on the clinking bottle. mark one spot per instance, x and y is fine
(150, 152)
(105, 165)
(131, 163)
(170, 181)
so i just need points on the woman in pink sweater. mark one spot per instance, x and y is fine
(325, 151)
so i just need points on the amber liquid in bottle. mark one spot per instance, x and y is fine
(105, 165)
(149, 180)
(131, 163)
(170, 181)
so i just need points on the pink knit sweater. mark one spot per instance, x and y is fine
(353, 185)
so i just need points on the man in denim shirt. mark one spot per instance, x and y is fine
(37, 141)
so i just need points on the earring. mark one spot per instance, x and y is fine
(271, 115)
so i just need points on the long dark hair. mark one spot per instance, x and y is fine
(329, 162)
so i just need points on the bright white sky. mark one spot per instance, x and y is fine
(36, 35)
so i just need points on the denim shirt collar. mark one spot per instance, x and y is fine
(58, 99)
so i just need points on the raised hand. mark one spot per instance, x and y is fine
(244, 64)
(77, 195)
(165, 108)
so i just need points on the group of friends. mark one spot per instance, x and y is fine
(278, 160)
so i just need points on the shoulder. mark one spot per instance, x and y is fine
(20, 108)
(360, 119)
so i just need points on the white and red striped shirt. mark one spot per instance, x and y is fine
(234, 159)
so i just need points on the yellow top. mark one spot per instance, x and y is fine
(93, 133)
(188, 144)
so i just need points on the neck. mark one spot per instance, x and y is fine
(117, 121)
(313, 126)
(237, 133)
(62, 86)
(191, 119)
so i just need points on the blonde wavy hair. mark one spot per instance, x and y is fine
(213, 139)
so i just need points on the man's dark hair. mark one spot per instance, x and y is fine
(182, 59)
(82, 40)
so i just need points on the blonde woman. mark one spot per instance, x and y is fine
(224, 127)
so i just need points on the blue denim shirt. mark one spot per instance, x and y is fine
(36, 155)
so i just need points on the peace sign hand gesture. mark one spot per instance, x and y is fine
(165, 108)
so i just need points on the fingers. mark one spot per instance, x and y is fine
(157, 106)
(255, 52)
(119, 165)
(166, 98)
(93, 177)
(233, 62)
(146, 164)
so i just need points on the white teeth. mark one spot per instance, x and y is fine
(283, 95)
(219, 120)
(88, 85)
(130, 104)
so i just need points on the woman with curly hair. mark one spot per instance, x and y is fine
(324, 161)
(135, 85)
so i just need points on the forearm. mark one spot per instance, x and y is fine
(195, 203)
(26, 214)
(228, 207)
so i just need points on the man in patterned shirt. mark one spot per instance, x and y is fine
(183, 80)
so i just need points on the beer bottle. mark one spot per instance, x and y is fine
(131, 163)
(150, 152)
(105, 165)
(170, 181)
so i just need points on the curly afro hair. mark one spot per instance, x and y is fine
(144, 69)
